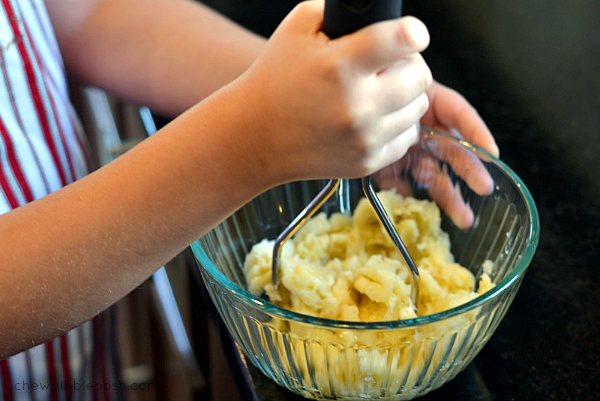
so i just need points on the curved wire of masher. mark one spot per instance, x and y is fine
(329, 189)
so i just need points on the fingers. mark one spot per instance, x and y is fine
(452, 110)
(345, 103)
(399, 85)
(464, 163)
(397, 175)
(441, 189)
(393, 136)
(398, 146)
(425, 170)
(386, 43)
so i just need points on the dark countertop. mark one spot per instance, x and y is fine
(532, 69)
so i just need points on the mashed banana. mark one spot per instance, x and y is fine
(348, 268)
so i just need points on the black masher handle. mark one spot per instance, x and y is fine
(346, 16)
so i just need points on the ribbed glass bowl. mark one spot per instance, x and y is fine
(328, 359)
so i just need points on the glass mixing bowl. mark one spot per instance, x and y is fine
(329, 359)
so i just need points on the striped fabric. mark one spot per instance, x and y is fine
(41, 150)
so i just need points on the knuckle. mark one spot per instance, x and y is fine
(358, 144)
(361, 147)
(422, 72)
(345, 119)
(352, 115)
(334, 70)
(427, 77)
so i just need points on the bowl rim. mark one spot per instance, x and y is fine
(267, 307)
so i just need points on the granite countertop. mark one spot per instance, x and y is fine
(532, 70)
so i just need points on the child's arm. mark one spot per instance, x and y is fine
(165, 54)
(308, 108)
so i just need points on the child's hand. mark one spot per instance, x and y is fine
(426, 166)
(450, 112)
(337, 108)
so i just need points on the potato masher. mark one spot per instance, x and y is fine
(343, 17)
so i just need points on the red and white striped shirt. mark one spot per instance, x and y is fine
(41, 150)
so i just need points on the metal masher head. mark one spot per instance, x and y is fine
(329, 189)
